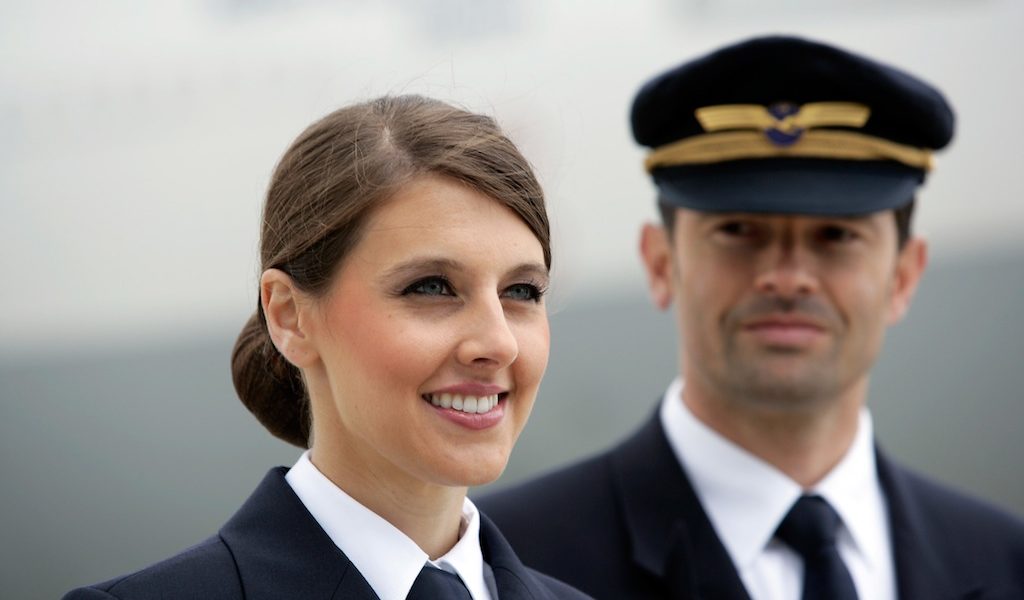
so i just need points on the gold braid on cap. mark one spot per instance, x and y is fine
(739, 131)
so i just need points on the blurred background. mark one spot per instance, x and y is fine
(136, 141)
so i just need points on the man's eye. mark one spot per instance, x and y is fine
(430, 286)
(734, 228)
(524, 292)
(837, 234)
(738, 229)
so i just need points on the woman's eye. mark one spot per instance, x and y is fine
(430, 286)
(524, 292)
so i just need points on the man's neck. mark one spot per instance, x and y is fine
(805, 444)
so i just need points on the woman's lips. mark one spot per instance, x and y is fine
(471, 388)
(470, 404)
(471, 412)
(465, 403)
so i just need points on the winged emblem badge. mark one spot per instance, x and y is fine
(783, 123)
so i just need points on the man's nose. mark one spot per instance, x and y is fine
(787, 271)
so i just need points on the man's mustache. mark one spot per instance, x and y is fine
(767, 306)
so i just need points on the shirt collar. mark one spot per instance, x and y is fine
(465, 559)
(387, 558)
(853, 490)
(746, 498)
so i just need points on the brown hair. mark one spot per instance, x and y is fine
(324, 188)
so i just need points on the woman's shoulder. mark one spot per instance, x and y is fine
(206, 570)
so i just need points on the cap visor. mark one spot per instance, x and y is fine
(790, 186)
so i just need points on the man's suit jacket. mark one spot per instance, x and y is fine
(272, 548)
(627, 524)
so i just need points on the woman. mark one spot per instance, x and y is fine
(401, 336)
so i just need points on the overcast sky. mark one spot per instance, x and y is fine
(138, 138)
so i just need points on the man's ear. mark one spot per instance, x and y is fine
(910, 266)
(656, 253)
(286, 309)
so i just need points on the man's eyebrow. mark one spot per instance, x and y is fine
(726, 215)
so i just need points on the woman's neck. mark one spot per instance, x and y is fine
(429, 514)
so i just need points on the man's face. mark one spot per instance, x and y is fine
(781, 311)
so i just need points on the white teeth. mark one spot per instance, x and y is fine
(467, 404)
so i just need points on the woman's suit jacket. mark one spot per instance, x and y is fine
(272, 548)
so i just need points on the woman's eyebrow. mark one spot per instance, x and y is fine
(532, 270)
(428, 265)
(417, 266)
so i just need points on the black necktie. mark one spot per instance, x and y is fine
(810, 529)
(437, 584)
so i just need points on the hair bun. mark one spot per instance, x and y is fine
(268, 385)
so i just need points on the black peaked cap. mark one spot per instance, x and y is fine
(775, 71)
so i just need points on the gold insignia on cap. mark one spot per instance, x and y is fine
(751, 131)
(808, 116)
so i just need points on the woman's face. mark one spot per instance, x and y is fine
(432, 340)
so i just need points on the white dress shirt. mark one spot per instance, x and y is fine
(387, 558)
(746, 499)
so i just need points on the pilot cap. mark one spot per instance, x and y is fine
(786, 125)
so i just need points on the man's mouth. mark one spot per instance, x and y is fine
(785, 332)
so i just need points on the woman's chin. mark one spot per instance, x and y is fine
(479, 471)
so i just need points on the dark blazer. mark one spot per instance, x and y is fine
(272, 548)
(627, 524)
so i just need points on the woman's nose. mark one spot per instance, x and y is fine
(487, 340)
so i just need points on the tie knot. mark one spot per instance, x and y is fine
(438, 584)
(810, 526)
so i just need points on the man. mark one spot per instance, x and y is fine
(786, 172)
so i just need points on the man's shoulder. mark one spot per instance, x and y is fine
(592, 479)
(565, 519)
(595, 489)
(204, 570)
(580, 484)
(568, 523)
(953, 535)
(953, 512)
(558, 589)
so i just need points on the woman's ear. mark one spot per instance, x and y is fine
(286, 309)
(656, 252)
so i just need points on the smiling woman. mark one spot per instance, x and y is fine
(401, 337)
(442, 296)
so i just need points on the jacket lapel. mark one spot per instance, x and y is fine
(673, 539)
(512, 579)
(282, 552)
(919, 572)
(670, 533)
